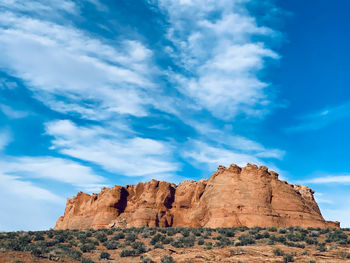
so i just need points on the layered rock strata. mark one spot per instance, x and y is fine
(231, 197)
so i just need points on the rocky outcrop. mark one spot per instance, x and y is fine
(233, 196)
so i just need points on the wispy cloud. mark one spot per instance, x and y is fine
(40, 7)
(26, 189)
(12, 113)
(201, 153)
(72, 72)
(50, 168)
(130, 156)
(226, 138)
(322, 118)
(213, 42)
(329, 179)
(5, 138)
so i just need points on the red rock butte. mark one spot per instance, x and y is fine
(231, 197)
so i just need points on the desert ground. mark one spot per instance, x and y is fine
(293, 244)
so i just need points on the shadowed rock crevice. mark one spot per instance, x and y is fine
(249, 196)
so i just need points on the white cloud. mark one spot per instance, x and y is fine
(41, 7)
(130, 156)
(17, 186)
(321, 199)
(226, 138)
(327, 179)
(214, 44)
(5, 139)
(73, 72)
(51, 168)
(321, 118)
(11, 113)
(202, 153)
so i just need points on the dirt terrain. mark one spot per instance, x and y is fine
(177, 245)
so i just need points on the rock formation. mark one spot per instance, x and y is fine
(234, 196)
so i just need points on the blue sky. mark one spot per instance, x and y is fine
(96, 93)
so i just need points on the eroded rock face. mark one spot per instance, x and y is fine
(234, 196)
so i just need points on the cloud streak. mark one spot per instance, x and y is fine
(50, 168)
(330, 179)
(130, 156)
(322, 118)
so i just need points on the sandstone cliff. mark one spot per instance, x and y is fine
(234, 196)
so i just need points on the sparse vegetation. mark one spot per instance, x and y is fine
(56, 245)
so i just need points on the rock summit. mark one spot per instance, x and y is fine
(231, 197)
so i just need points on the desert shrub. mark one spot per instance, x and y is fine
(102, 237)
(146, 235)
(60, 238)
(131, 237)
(87, 247)
(157, 238)
(167, 240)
(139, 247)
(158, 245)
(200, 241)
(82, 237)
(177, 243)
(336, 236)
(74, 254)
(270, 242)
(227, 232)
(266, 234)
(171, 231)
(105, 255)
(197, 231)
(36, 251)
(38, 237)
(272, 229)
(282, 230)
(312, 261)
(187, 241)
(311, 241)
(146, 260)
(119, 235)
(87, 260)
(254, 230)
(322, 248)
(223, 241)
(185, 232)
(325, 230)
(278, 252)
(167, 259)
(111, 244)
(50, 234)
(292, 244)
(15, 245)
(208, 245)
(245, 240)
(288, 258)
(296, 236)
(315, 234)
(127, 253)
